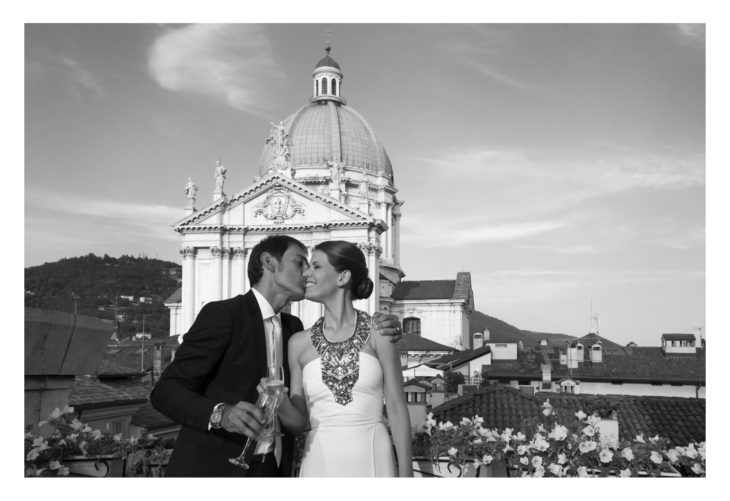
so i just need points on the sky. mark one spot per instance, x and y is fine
(562, 165)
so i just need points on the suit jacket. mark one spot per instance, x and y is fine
(222, 359)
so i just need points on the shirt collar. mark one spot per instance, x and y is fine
(267, 311)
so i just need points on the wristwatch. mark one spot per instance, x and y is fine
(217, 415)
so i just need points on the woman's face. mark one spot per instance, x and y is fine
(320, 279)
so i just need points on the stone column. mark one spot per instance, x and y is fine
(226, 278)
(217, 254)
(188, 287)
(396, 231)
(238, 271)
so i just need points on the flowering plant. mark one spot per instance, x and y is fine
(571, 448)
(44, 456)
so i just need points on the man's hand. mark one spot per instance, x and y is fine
(244, 418)
(387, 325)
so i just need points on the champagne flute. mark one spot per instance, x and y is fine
(268, 402)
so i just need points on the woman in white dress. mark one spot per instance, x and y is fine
(340, 375)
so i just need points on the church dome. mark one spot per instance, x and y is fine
(327, 130)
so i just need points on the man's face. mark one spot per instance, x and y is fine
(288, 273)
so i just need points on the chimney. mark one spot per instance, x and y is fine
(581, 352)
(543, 342)
(477, 340)
(572, 357)
(486, 335)
(597, 353)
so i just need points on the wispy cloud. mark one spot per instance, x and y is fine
(231, 63)
(459, 233)
(692, 34)
(49, 212)
(80, 78)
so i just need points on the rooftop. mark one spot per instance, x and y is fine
(415, 342)
(681, 420)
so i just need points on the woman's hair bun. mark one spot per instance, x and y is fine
(364, 288)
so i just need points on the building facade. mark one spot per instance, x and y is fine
(323, 175)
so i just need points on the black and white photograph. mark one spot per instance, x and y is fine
(354, 248)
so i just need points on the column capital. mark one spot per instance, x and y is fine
(188, 252)
(227, 252)
(216, 251)
(239, 252)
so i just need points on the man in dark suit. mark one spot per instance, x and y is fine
(210, 387)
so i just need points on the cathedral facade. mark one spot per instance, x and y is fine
(323, 175)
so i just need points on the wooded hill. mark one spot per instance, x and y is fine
(94, 286)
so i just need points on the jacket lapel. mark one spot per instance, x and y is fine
(255, 327)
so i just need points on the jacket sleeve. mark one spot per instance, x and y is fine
(179, 394)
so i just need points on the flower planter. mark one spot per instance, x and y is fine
(425, 468)
(101, 466)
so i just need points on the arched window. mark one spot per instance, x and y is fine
(334, 87)
(324, 86)
(316, 90)
(412, 326)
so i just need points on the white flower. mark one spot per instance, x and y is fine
(696, 468)
(446, 426)
(32, 454)
(507, 448)
(453, 451)
(654, 439)
(605, 456)
(133, 441)
(589, 431)
(555, 469)
(522, 450)
(701, 450)
(465, 421)
(539, 472)
(76, 424)
(582, 471)
(42, 423)
(67, 410)
(118, 437)
(28, 435)
(640, 439)
(541, 428)
(54, 465)
(476, 441)
(587, 446)
(547, 412)
(540, 443)
(537, 461)
(63, 471)
(559, 432)
(593, 420)
(507, 434)
(627, 454)
(656, 457)
(86, 429)
(55, 414)
(477, 420)
(96, 434)
(519, 436)
(625, 472)
(580, 415)
(524, 460)
(562, 458)
(487, 459)
(673, 455)
(40, 443)
(691, 452)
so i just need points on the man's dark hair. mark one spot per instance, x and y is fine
(276, 245)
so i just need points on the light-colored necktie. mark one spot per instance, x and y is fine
(275, 360)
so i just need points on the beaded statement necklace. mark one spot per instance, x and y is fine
(340, 360)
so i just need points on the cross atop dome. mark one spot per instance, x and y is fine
(327, 77)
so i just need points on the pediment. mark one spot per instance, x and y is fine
(273, 202)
